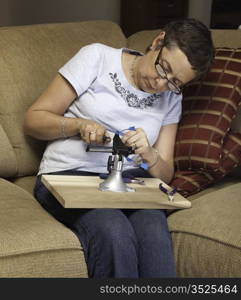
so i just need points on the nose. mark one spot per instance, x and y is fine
(161, 85)
(162, 82)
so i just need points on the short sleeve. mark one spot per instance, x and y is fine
(82, 69)
(174, 110)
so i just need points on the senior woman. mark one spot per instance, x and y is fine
(99, 91)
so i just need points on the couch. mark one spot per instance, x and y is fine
(206, 238)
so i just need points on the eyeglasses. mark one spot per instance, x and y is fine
(163, 74)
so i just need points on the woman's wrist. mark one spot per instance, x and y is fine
(156, 158)
(151, 157)
(69, 127)
(63, 127)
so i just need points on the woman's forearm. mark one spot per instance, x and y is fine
(158, 167)
(162, 169)
(45, 125)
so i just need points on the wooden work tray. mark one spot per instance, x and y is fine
(83, 192)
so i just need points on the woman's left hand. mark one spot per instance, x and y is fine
(138, 140)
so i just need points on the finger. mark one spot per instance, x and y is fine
(140, 130)
(89, 134)
(100, 135)
(92, 136)
(134, 148)
(131, 141)
(138, 147)
(139, 150)
(128, 135)
(142, 149)
(86, 137)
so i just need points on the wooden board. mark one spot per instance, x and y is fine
(83, 192)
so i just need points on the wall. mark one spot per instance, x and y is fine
(23, 12)
(201, 10)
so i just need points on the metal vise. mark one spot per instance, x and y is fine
(114, 182)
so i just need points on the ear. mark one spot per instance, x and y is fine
(157, 42)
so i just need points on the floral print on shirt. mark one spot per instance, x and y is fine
(132, 99)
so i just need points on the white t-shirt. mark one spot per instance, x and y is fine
(105, 96)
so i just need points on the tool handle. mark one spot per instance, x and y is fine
(91, 148)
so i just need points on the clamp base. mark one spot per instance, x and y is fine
(115, 183)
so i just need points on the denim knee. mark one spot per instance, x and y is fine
(109, 226)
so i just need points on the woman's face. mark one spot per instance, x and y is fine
(162, 69)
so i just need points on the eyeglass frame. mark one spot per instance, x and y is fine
(177, 89)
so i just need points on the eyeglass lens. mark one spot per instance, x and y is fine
(163, 75)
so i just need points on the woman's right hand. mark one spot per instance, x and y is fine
(92, 132)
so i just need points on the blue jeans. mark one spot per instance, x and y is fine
(119, 243)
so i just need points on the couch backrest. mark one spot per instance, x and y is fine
(222, 38)
(29, 58)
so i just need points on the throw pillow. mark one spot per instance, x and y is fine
(208, 110)
(231, 155)
(192, 182)
(209, 107)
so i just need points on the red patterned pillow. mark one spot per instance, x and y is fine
(231, 155)
(205, 149)
(192, 182)
(208, 110)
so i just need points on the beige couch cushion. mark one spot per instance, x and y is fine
(29, 58)
(208, 233)
(8, 161)
(33, 243)
(27, 183)
(226, 38)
